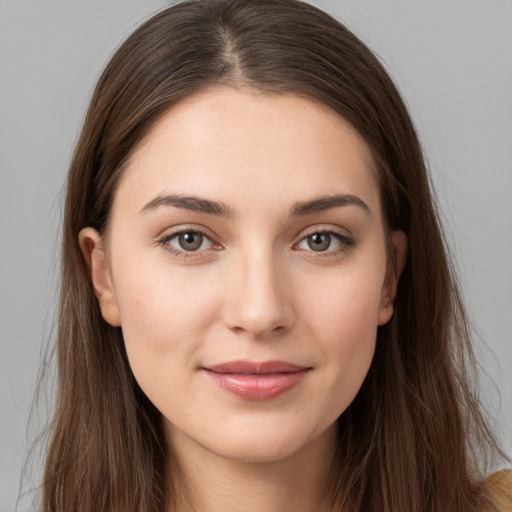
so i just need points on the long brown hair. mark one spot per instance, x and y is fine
(412, 439)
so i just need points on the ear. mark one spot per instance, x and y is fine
(94, 254)
(394, 270)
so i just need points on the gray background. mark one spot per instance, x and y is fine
(452, 61)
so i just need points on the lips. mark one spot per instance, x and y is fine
(256, 380)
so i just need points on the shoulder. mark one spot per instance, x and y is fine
(500, 486)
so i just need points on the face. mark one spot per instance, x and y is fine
(246, 264)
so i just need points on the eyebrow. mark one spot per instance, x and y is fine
(323, 203)
(220, 209)
(192, 203)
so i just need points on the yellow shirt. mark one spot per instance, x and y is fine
(500, 484)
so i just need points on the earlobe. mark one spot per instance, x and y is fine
(395, 268)
(94, 254)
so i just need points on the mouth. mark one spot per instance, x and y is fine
(256, 380)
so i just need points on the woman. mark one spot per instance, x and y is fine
(257, 311)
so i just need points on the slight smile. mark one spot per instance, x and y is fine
(256, 380)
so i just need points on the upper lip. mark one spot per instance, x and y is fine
(256, 368)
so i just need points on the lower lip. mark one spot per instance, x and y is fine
(257, 386)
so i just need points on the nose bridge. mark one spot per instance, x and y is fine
(259, 301)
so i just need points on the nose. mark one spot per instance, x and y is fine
(258, 297)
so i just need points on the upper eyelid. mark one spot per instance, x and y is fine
(336, 230)
(174, 231)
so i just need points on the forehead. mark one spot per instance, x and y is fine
(246, 147)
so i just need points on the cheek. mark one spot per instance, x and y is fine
(343, 318)
(344, 302)
(164, 315)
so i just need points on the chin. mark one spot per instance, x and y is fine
(261, 450)
(262, 445)
(257, 451)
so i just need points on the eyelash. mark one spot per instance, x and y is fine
(345, 243)
(164, 243)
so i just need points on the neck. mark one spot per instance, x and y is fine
(212, 483)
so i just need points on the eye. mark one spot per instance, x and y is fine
(187, 241)
(325, 241)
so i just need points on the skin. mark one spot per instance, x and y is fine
(254, 290)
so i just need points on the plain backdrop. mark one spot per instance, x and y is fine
(452, 60)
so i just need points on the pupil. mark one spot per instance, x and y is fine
(191, 241)
(319, 242)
